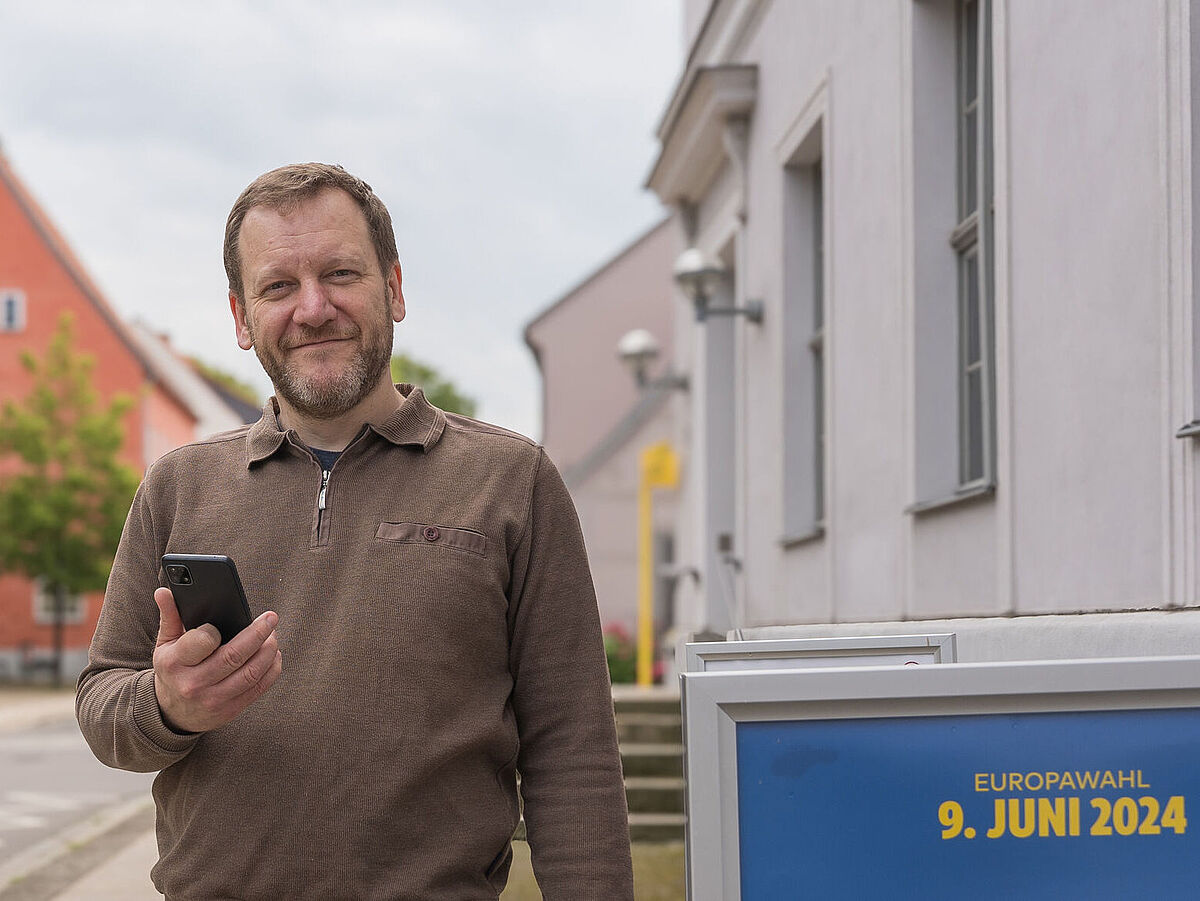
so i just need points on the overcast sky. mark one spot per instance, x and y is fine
(509, 140)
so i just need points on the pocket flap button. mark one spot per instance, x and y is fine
(432, 533)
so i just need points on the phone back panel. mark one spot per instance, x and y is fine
(207, 590)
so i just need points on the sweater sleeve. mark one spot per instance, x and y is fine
(571, 782)
(115, 702)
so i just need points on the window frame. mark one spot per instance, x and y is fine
(973, 244)
(805, 337)
(74, 610)
(816, 343)
(14, 299)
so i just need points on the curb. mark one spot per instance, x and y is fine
(42, 871)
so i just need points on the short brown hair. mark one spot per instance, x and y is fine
(283, 188)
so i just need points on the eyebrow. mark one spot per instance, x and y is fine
(347, 260)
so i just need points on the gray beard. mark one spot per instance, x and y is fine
(331, 398)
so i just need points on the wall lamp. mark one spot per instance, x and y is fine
(637, 350)
(700, 276)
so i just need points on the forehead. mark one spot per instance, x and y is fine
(328, 222)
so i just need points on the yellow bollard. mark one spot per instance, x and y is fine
(659, 469)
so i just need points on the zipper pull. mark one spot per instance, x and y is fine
(324, 485)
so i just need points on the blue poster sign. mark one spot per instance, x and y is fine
(1025, 805)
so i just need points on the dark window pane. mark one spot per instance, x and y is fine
(818, 224)
(969, 54)
(967, 153)
(971, 313)
(819, 432)
(973, 403)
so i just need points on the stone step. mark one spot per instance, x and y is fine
(654, 794)
(656, 827)
(635, 699)
(650, 730)
(646, 759)
(656, 728)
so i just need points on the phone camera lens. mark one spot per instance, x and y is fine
(179, 575)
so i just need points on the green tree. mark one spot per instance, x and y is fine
(64, 494)
(440, 391)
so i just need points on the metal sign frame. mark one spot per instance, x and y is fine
(714, 703)
(805, 653)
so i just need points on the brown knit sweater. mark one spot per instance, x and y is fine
(422, 667)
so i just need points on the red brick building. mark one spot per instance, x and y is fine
(41, 279)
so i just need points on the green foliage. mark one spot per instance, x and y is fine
(64, 494)
(621, 652)
(439, 390)
(229, 382)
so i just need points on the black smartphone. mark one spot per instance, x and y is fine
(207, 590)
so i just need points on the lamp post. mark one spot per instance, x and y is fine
(638, 349)
(700, 275)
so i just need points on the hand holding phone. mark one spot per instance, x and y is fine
(199, 689)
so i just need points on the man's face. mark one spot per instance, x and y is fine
(318, 311)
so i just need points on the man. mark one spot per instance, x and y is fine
(425, 621)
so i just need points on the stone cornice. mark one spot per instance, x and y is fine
(692, 133)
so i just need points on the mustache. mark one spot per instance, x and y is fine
(306, 335)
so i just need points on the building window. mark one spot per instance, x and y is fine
(971, 240)
(12, 311)
(804, 318)
(953, 357)
(816, 343)
(73, 610)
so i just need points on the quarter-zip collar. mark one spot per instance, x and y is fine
(416, 423)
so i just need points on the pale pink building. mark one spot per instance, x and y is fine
(596, 420)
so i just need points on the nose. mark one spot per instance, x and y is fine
(313, 307)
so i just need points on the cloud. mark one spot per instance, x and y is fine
(509, 140)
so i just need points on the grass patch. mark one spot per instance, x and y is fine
(657, 873)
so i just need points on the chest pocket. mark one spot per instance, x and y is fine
(434, 535)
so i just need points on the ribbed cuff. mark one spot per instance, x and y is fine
(148, 717)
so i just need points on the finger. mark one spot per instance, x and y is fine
(170, 626)
(241, 647)
(197, 645)
(265, 665)
(256, 691)
(251, 682)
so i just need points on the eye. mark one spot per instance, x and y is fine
(343, 273)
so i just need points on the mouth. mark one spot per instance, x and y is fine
(324, 342)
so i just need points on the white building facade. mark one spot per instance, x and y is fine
(969, 224)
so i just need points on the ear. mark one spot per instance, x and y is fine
(395, 294)
(244, 339)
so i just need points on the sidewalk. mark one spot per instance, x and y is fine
(106, 858)
(27, 708)
(124, 877)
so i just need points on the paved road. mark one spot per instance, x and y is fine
(49, 781)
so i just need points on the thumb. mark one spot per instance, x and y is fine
(170, 626)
